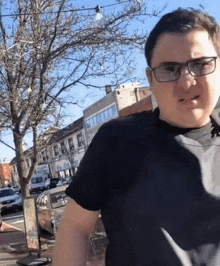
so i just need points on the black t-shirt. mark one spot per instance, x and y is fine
(158, 189)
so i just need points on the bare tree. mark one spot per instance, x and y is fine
(49, 47)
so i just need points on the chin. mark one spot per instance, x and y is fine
(196, 119)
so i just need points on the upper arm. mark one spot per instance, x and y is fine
(89, 187)
(77, 217)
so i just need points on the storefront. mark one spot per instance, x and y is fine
(64, 169)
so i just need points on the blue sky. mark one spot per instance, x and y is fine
(211, 6)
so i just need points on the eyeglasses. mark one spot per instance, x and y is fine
(196, 67)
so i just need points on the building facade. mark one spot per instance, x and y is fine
(110, 106)
(5, 174)
(66, 147)
(61, 156)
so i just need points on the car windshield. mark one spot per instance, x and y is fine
(36, 180)
(59, 199)
(6, 193)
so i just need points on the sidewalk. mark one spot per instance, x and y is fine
(13, 247)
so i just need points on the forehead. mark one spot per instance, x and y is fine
(181, 47)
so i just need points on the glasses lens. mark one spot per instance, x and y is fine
(202, 66)
(167, 73)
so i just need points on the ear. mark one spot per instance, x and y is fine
(149, 76)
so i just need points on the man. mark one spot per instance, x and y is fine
(155, 176)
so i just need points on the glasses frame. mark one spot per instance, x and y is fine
(181, 65)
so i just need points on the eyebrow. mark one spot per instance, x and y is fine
(169, 63)
(179, 63)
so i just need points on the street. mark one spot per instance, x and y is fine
(13, 241)
(16, 219)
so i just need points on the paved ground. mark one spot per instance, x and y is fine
(13, 248)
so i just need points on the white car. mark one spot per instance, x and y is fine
(37, 184)
(50, 207)
(10, 199)
(62, 182)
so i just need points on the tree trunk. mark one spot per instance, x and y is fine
(20, 159)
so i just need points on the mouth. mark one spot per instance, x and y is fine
(190, 99)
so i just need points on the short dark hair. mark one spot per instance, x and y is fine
(181, 21)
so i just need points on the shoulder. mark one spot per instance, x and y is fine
(134, 125)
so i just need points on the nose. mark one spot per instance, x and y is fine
(186, 80)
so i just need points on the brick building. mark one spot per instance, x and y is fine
(5, 174)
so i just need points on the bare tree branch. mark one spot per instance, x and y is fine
(47, 52)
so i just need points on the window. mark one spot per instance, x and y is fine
(90, 122)
(87, 124)
(37, 180)
(106, 114)
(56, 150)
(80, 140)
(51, 152)
(63, 148)
(114, 110)
(6, 193)
(27, 162)
(94, 121)
(44, 156)
(98, 118)
(102, 117)
(71, 145)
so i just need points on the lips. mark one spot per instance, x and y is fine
(190, 99)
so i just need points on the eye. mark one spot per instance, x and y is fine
(170, 68)
(203, 65)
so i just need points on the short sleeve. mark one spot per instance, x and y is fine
(88, 188)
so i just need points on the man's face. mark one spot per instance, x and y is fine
(188, 101)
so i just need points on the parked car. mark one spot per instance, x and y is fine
(52, 182)
(37, 184)
(62, 182)
(65, 181)
(47, 183)
(50, 207)
(69, 179)
(16, 189)
(10, 199)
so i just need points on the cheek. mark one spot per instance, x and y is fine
(217, 85)
(163, 93)
(165, 100)
(212, 88)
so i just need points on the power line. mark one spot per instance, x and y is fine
(97, 9)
